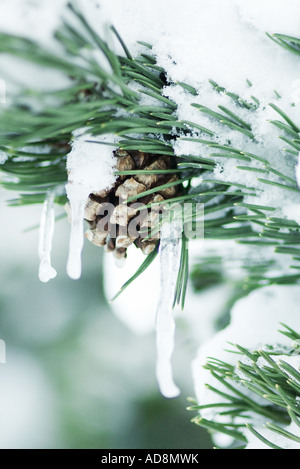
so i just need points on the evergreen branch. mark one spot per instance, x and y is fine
(290, 43)
(37, 139)
(268, 380)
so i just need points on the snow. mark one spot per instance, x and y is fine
(3, 157)
(267, 145)
(90, 163)
(296, 91)
(292, 212)
(46, 271)
(2, 91)
(253, 327)
(298, 172)
(275, 438)
(90, 167)
(293, 361)
(190, 42)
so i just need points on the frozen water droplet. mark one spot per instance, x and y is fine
(119, 262)
(46, 272)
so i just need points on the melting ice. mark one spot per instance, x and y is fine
(169, 255)
(46, 271)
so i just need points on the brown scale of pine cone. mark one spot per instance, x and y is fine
(109, 216)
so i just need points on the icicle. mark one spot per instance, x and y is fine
(77, 196)
(165, 324)
(46, 271)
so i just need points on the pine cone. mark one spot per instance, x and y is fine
(114, 223)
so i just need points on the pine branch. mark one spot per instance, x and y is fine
(37, 139)
(258, 373)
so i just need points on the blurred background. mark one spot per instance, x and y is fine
(76, 376)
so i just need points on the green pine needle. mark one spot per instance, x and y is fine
(38, 138)
(275, 383)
